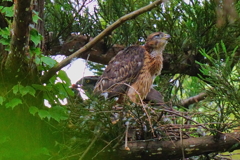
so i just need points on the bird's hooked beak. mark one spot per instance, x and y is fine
(166, 36)
(76, 86)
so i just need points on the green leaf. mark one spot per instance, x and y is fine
(5, 41)
(29, 90)
(61, 90)
(13, 103)
(17, 88)
(48, 61)
(203, 52)
(37, 60)
(223, 47)
(33, 110)
(1, 100)
(44, 114)
(36, 52)
(35, 17)
(8, 11)
(35, 36)
(58, 113)
(64, 77)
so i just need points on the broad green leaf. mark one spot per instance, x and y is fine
(33, 110)
(64, 77)
(17, 88)
(36, 52)
(61, 89)
(13, 103)
(58, 113)
(5, 41)
(8, 11)
(44, 114)
(35, 36)
(48, 61)
(28, 90)
(31, 90)
(1, 100)
(35, 17)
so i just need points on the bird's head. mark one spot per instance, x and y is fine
(157, 41)
(87, 83)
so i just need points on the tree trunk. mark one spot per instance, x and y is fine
(16, 64)
(22, 135)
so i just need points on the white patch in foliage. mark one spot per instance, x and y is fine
(105, 95)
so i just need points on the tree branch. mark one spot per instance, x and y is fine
(98, 53)
(101, 54)
(194, 99)
(155, 149)
(105, 32)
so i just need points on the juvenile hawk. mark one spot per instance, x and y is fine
(132, 71)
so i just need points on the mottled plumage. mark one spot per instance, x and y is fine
(132, 71)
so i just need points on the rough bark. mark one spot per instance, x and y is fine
(16, 60)
(155, 149)
(3, 24)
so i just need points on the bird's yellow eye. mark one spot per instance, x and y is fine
(87, 81)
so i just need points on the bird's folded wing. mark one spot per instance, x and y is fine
(123, 69)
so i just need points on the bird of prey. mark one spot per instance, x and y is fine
(132, 71)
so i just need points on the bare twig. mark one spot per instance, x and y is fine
(194, 99)
(126, 137)
(90, 44)
(105, 147)
(180, 115)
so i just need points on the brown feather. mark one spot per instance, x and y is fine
(136, 66)
(123, 68)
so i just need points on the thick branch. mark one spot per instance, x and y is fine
(156, 150)
(105, 32)
(98, 53)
